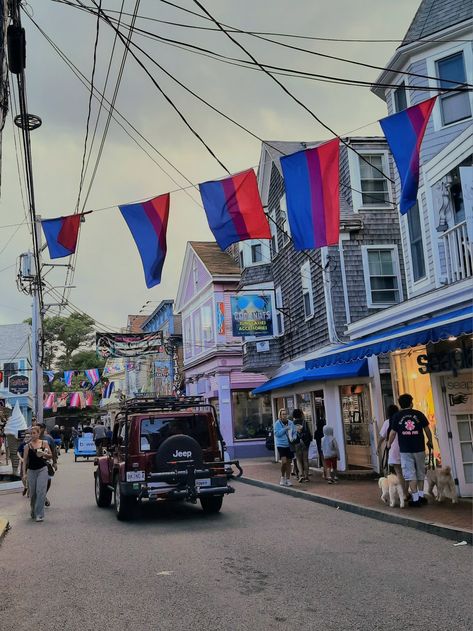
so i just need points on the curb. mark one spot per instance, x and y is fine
(4, 527)
(434, 529)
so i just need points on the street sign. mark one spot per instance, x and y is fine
(18, 384)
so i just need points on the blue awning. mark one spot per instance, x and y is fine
(441, 327)
(354, 369)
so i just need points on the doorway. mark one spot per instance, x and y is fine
(356, 414)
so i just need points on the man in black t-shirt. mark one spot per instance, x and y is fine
(409, 425)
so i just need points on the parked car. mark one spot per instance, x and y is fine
(164, 449)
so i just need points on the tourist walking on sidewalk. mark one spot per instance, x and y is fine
(331, 454)
(302, 445)
(409, 426)
(284, 434)
(37, 453)
(52, 447)
(394, 455)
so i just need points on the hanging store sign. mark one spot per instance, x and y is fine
(251, 315)
(128, 344)
(18, 384)
(448, 360)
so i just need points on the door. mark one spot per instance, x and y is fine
(462, 433)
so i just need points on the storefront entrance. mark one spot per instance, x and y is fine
(356, 415)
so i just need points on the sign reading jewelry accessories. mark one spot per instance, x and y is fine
(252, 314)
(128, 344)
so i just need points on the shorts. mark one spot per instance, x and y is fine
(285, 452)
(413, 466)
(331, 462)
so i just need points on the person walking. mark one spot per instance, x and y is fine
(37, 453)
(52, 446)
(100, 437)
(394, 455)
(409, 426)
(302, 444)
(284, 433)
(331, 454)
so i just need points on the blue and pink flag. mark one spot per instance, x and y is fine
(311, 180)
(92, 375)
(404, 132)
(108, 389)
(49, 374)
(234, 209)
(68, 374)
(61, 235)
(148, 224)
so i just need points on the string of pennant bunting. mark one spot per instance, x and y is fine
(233, 205)
(78, 399)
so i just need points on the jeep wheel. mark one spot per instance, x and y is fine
(124, 504)
(103, 495)
(211, 505)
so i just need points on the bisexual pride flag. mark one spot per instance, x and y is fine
(404, 132)
(234, 210)
(61, 235)
(92, 375)
(311, 180)
(148, 223)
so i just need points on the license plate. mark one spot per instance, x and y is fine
(135, 476)
(203, 482)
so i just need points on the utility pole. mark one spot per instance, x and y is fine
(37, 334)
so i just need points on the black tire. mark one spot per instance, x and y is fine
(124, 504)
(103, 495)
(211, 505)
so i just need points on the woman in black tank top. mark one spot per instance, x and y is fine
(37, 454)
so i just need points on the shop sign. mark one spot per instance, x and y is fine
(128, 344)
(459, 391)
(18, 384)
(451, 360)
(251, 315)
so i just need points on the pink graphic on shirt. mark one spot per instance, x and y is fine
(410, 425)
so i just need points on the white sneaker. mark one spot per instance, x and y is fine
(288, 482)
(282, 482)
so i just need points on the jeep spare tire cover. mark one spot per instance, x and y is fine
(176, 449)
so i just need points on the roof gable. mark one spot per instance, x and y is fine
(436, 15)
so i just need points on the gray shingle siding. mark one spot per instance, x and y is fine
(436, 15)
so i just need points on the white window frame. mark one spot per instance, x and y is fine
(285, 225)
(273, 243)
(366, 273)
(306, 282)
(255, 245)
(447, 51)
(420, 281)
(355, 178)
(279, 315)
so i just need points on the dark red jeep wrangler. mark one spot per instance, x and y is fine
(164, 449)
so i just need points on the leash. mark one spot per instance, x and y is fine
(384, 462)
(431, 461)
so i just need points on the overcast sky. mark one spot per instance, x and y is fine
(109, 278)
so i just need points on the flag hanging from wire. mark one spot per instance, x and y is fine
(49, 374)
(92, 375)
(107, 391)
(68, 374)
(311, 180)
(148, 224)
(404, 132)
(234, 210)
(61, 235)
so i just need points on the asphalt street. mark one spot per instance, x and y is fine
(265, 562)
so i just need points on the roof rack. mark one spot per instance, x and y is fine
(147, 401)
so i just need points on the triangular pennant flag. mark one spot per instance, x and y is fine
(75, 401)
(108, 389)
(61, 235)
(68, 374)
(89, 399)
(234, 210)
(49, 400)
(92, 375)
(404, 132)
(148, 224)
(311, 180)
(49, 374)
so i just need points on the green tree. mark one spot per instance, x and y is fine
(83, 360)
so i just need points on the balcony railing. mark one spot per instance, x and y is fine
(458, 253)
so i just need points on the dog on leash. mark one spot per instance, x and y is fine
(392, 488)
(441, 479)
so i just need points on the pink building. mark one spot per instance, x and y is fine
(212, 356)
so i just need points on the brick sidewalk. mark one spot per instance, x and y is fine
(364, 493)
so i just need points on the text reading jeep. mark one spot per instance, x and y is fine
(164, 449)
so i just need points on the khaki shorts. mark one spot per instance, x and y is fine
(413, 466)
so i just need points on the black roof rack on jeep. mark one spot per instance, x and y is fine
(146, 401)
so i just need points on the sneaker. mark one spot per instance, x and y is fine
(47, 503)
(301, 480)
(282, 481)
(306, 480)
(39, 518)
(414, 503)
(288, 482)
(335, 478)
(330, 481)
